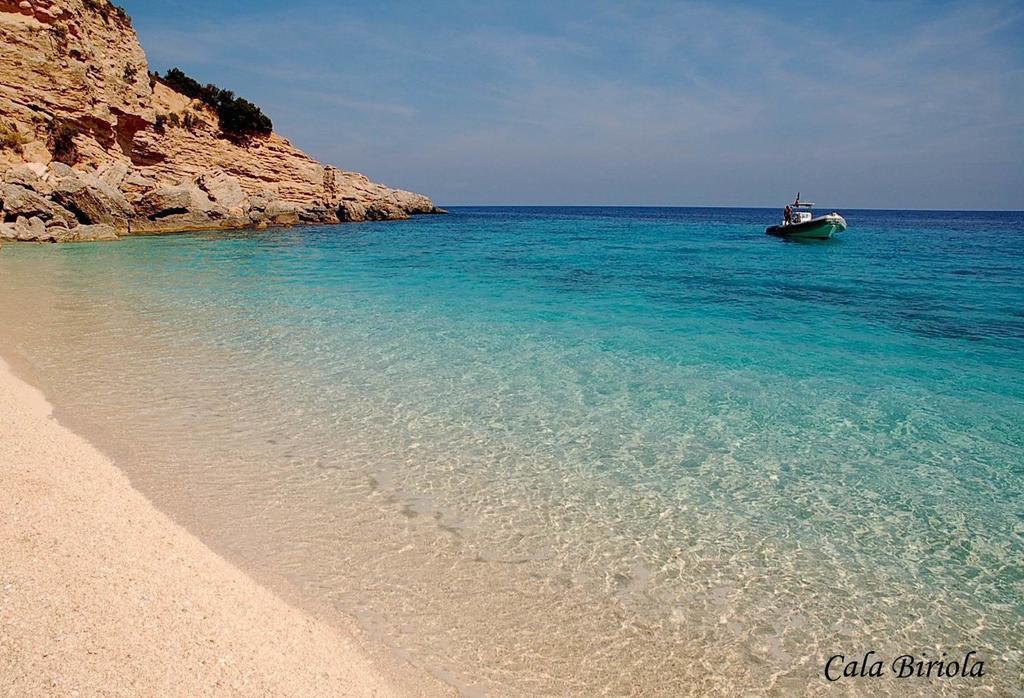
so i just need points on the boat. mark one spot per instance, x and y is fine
(798, 221)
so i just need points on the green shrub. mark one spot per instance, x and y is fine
(238, 117)
(12, 139)
(243, 117)
(61, 141)
(172, 119)
(107, 9)
(178, 81)
(60, 36)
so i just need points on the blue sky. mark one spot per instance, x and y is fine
(856, 104)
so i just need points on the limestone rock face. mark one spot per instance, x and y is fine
(74, 86)
(76, 60)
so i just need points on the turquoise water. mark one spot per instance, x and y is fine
(577, 450)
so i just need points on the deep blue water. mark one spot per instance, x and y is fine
(758, 448)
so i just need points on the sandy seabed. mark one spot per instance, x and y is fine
(102, 594)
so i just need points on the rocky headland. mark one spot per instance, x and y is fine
(93, 146)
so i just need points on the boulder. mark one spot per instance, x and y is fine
(411, 202)
(318, 214)
(29, 176)
(32, 230)
(351, 211)
(281, 213)
(385, 211)
(176, 200)
(55, 170)
(88, 233)
(93, 200)
(19, 201)
(135, 184)
(183, 207)
(267, 208)
(379, 210)
(113, 174)
(224, 190)
(260, 200)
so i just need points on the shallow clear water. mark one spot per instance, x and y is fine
(577, 450)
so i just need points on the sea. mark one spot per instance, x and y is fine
(577, 451)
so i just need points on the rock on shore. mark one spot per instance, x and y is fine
(75, 88)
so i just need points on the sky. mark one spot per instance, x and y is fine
(858, 104)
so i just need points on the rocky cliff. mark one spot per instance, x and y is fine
(91, 146)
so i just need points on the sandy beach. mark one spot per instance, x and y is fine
(102, 594)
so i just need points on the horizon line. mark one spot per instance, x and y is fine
(848, 208)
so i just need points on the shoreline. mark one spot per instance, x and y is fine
(101, 592)
(107, 234)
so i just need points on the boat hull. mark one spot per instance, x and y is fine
(821, 228)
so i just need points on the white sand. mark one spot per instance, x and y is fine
(102, 594)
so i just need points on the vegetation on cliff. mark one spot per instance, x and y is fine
(61, 141)
(107, 9)
(237, 116)
(12, 139)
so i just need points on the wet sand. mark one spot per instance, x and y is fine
(102, 594)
